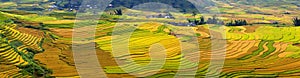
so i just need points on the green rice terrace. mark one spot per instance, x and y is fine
(261, 39)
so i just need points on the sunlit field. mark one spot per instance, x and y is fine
(245, 38)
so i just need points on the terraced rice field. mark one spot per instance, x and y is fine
(260, 53)
(40, 46)
(251, 51)
(17, 51)
(280, 34)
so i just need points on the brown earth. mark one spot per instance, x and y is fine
(51, 58)
(250, 29)
(31, 31)
(68, 33)
(65, 33)
(59, 58)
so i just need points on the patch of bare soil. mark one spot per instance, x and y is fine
(201, 28)
(83, 32)
(30, 31)
(66, 33)
(27, 23)
(251, 50)
(51, 58)
(106, 59)
(250, 29)
(284, 54)
(59, 58)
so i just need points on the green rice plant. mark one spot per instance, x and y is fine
(254, 53)
(161, 29)
(4, 20)
(290, 72)
(271, 49)
(197, 34)
(295, 50)
(260, 48)
(234, 29)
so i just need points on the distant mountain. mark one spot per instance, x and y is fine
(263, 3)
(186, 6)
(181, 5)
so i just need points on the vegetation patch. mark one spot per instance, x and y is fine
(254, 53)
(271, 49)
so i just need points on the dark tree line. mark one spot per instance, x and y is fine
(214, 20)
(201, 21)
(237, 23)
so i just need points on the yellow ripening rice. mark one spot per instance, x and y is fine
(140, 42)
(152, 26)
(11, 56)
(13, 73)
(28, 40)
(284, 34)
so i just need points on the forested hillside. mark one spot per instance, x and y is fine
(181, 5)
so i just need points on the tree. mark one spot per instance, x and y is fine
(202, 21)
(194, 14)
(296, 21)
(118, 12)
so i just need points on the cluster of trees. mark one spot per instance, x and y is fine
(237, 23)
(196, 21)
(201, 21)
(296, 21)
(215, 20)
